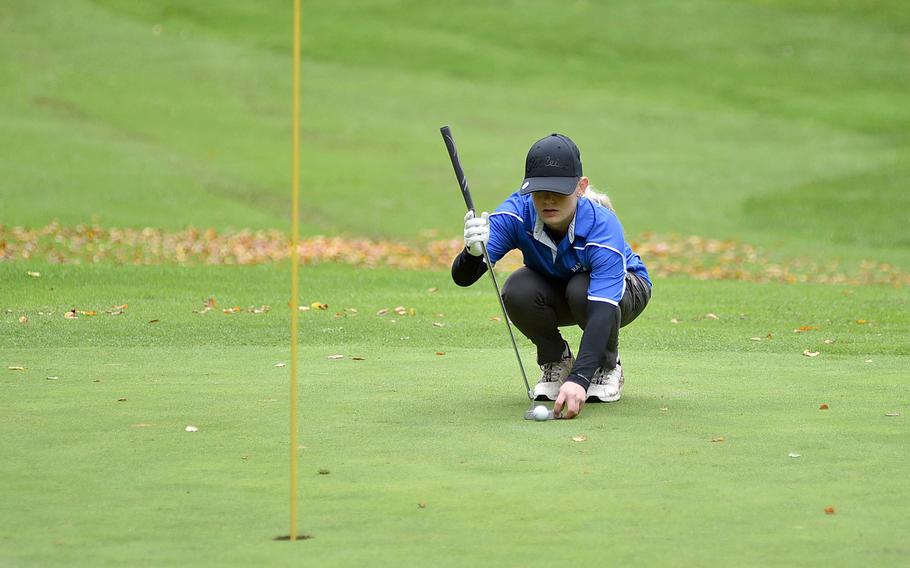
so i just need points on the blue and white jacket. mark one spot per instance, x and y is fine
(594, 243)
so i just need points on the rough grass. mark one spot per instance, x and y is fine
(710, 118)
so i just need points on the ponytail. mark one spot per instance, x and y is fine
(597, 197)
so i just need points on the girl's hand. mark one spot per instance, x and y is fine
(476, 231)
(571, 396)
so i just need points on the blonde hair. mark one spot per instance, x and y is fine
(598, 197)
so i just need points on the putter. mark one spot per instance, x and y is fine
(469, 202)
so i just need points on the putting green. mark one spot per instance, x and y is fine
(427, 456)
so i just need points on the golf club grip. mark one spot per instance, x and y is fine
(456, 164)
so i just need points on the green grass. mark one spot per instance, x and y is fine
(711, 118)
(406, 426)
(783, 124)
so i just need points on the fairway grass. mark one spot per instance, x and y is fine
(751, 119)
(428, 458)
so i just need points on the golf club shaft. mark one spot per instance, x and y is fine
(469, 202)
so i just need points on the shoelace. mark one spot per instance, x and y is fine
(551, 371)
(601, 377)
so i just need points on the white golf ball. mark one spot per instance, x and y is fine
(541, 412)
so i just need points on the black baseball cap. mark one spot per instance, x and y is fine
(553, 164)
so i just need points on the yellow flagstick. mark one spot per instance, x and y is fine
(295, 229)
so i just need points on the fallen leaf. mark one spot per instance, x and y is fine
(335, 357)
(382, 312)
(358, 358)
(794, 455)
(829, 510)
(674, 320)
(580, 438)
(495, 318)
(281, 364)
(89, 313)
(861, 322)
(892, 414)
(71, 314)
(664, 409)
(808, 353)
(829, 341)
(233, 310)
(412, 311)
(712, 316)
(401, 310)
(121, 399)
(121, 308)
(437, 324)
(755, 338)
(324, 472)
(823, 406)
(769, 336)
(116, 313)
(867, 361)
(23, 319)
(352, 311)
(154, 321)
(53, 378)
(804, 328)
(34, 274)
(210, 303)
(319, 306)
(191, 429)
(303, 308)
(718, 439)
(440, 352)
(15, 368)
(260, 310)
(433, 289)
(422, 505)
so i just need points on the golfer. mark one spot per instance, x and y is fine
(578, 270)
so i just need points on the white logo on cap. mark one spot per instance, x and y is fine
(526, 184)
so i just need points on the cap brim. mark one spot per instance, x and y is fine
(563, 185)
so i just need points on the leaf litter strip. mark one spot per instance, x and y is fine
(697, 257)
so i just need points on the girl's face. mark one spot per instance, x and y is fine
(557, 210)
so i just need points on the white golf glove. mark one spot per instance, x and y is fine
(476, 231)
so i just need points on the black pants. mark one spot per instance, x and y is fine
(539, 306)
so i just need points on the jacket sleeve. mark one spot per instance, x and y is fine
(607, 285)
(467, 268)
(603, 320)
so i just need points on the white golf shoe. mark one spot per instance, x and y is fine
(606, 386)
(553, 375)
